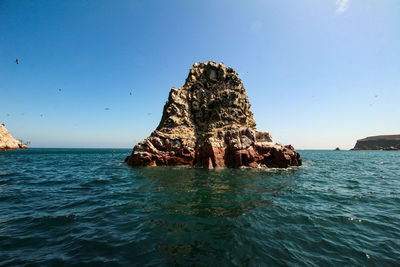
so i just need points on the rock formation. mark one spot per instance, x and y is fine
(7, 141)
(380, 142)
(208, 123)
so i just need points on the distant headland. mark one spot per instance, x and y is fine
(208, 123)
(7, 141)
(379, 142)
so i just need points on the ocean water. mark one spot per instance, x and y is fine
(85, 207)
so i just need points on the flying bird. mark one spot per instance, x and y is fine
(17, 61)
(59, 89)
(41, 115)
(107, 108)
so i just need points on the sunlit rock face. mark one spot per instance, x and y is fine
(208, 123)
(7, 141)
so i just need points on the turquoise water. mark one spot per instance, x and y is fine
(84, 206)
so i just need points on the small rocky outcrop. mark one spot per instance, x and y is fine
(7, 141)
(379, 142)
(208, 123)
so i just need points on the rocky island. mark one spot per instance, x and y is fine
(7, 141)
(379, 142)
(208, 123)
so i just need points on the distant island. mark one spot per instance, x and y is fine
(208, 123)
(7, 141)
(379, 142)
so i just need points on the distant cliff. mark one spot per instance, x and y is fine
(380, 142)
(7, 141)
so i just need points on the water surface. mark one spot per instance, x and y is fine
(84, 206)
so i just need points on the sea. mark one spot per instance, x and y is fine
(85, 207)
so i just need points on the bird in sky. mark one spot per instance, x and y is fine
(17, 61)
(107, 108)
(59, 89)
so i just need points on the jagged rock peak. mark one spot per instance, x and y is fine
(213, 97)
(213, 72)
(7, 141)
(208, 122)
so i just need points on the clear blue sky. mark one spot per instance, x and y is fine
(319, 73)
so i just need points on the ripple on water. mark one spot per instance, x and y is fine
(64, 207)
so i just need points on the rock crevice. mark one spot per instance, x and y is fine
(208, 122)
